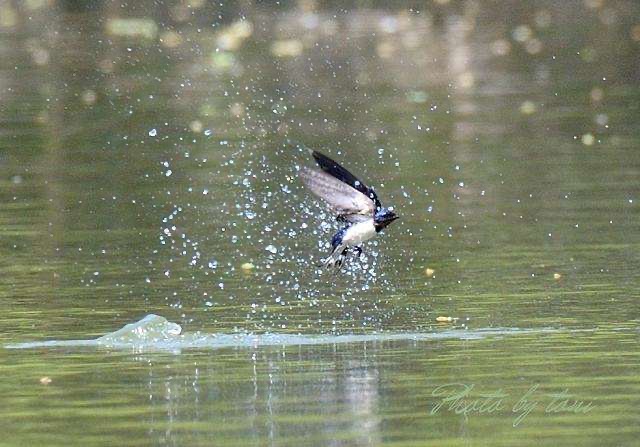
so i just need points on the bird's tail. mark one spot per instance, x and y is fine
(336, 257)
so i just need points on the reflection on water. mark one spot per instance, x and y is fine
(354, 394)
(145, 168)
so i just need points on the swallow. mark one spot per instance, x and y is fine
(354, 203)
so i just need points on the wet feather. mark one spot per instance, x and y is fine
(347, 202)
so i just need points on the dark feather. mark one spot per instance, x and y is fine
(334, 169)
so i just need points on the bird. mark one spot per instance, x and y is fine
(354, 203)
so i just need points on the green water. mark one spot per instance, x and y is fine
(504, 133)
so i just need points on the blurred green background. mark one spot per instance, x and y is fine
(145, 157)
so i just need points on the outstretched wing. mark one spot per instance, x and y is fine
(349, 203)
(335, 170)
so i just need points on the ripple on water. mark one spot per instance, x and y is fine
(154, 332)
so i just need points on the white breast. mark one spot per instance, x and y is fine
(360, 232)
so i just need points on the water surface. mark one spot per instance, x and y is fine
(143, 162)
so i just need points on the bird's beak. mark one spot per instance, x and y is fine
(391, 217)
(384, 218)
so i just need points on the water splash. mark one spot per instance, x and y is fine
(154, 332)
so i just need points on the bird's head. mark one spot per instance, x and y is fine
(383, 217)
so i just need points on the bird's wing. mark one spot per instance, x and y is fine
(349, 203)
(335, 170)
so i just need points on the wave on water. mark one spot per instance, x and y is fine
(154, 332)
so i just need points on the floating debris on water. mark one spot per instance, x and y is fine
(557, 276)
(528, 108)
(196, 126)
(45, 380)
(443, 319)
(429, 272)
(588, 139)
(247, 266)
